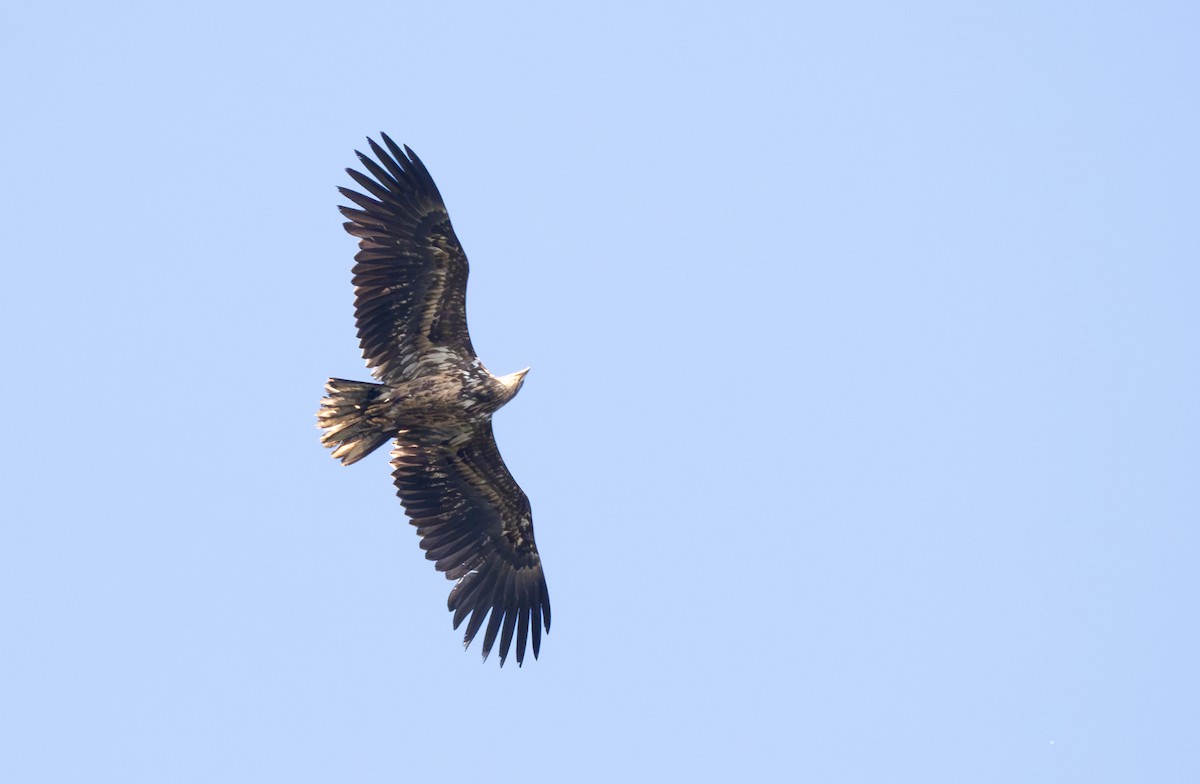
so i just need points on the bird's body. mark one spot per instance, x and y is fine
(436, 399)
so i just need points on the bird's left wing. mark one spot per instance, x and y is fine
(476, 526)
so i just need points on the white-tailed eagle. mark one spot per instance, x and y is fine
(436, 400)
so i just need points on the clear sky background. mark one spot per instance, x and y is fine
(862, 432)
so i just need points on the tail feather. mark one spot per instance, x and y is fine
(354, 426)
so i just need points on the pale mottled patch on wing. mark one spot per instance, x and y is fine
(410, 275)
(476, 526)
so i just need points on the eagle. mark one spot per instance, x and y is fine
(435, 400)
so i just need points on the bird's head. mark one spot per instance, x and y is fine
(513, 381)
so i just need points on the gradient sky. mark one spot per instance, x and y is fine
(861, 436)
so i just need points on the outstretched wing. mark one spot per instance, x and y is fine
(410, 276)
(475, 525)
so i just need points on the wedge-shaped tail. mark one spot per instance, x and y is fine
(354, 417)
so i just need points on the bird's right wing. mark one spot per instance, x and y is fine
(410, 279)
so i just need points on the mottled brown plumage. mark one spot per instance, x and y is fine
(436, 400)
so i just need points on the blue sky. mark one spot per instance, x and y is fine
(861, 435)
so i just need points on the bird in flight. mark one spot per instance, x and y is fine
(435, 400)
